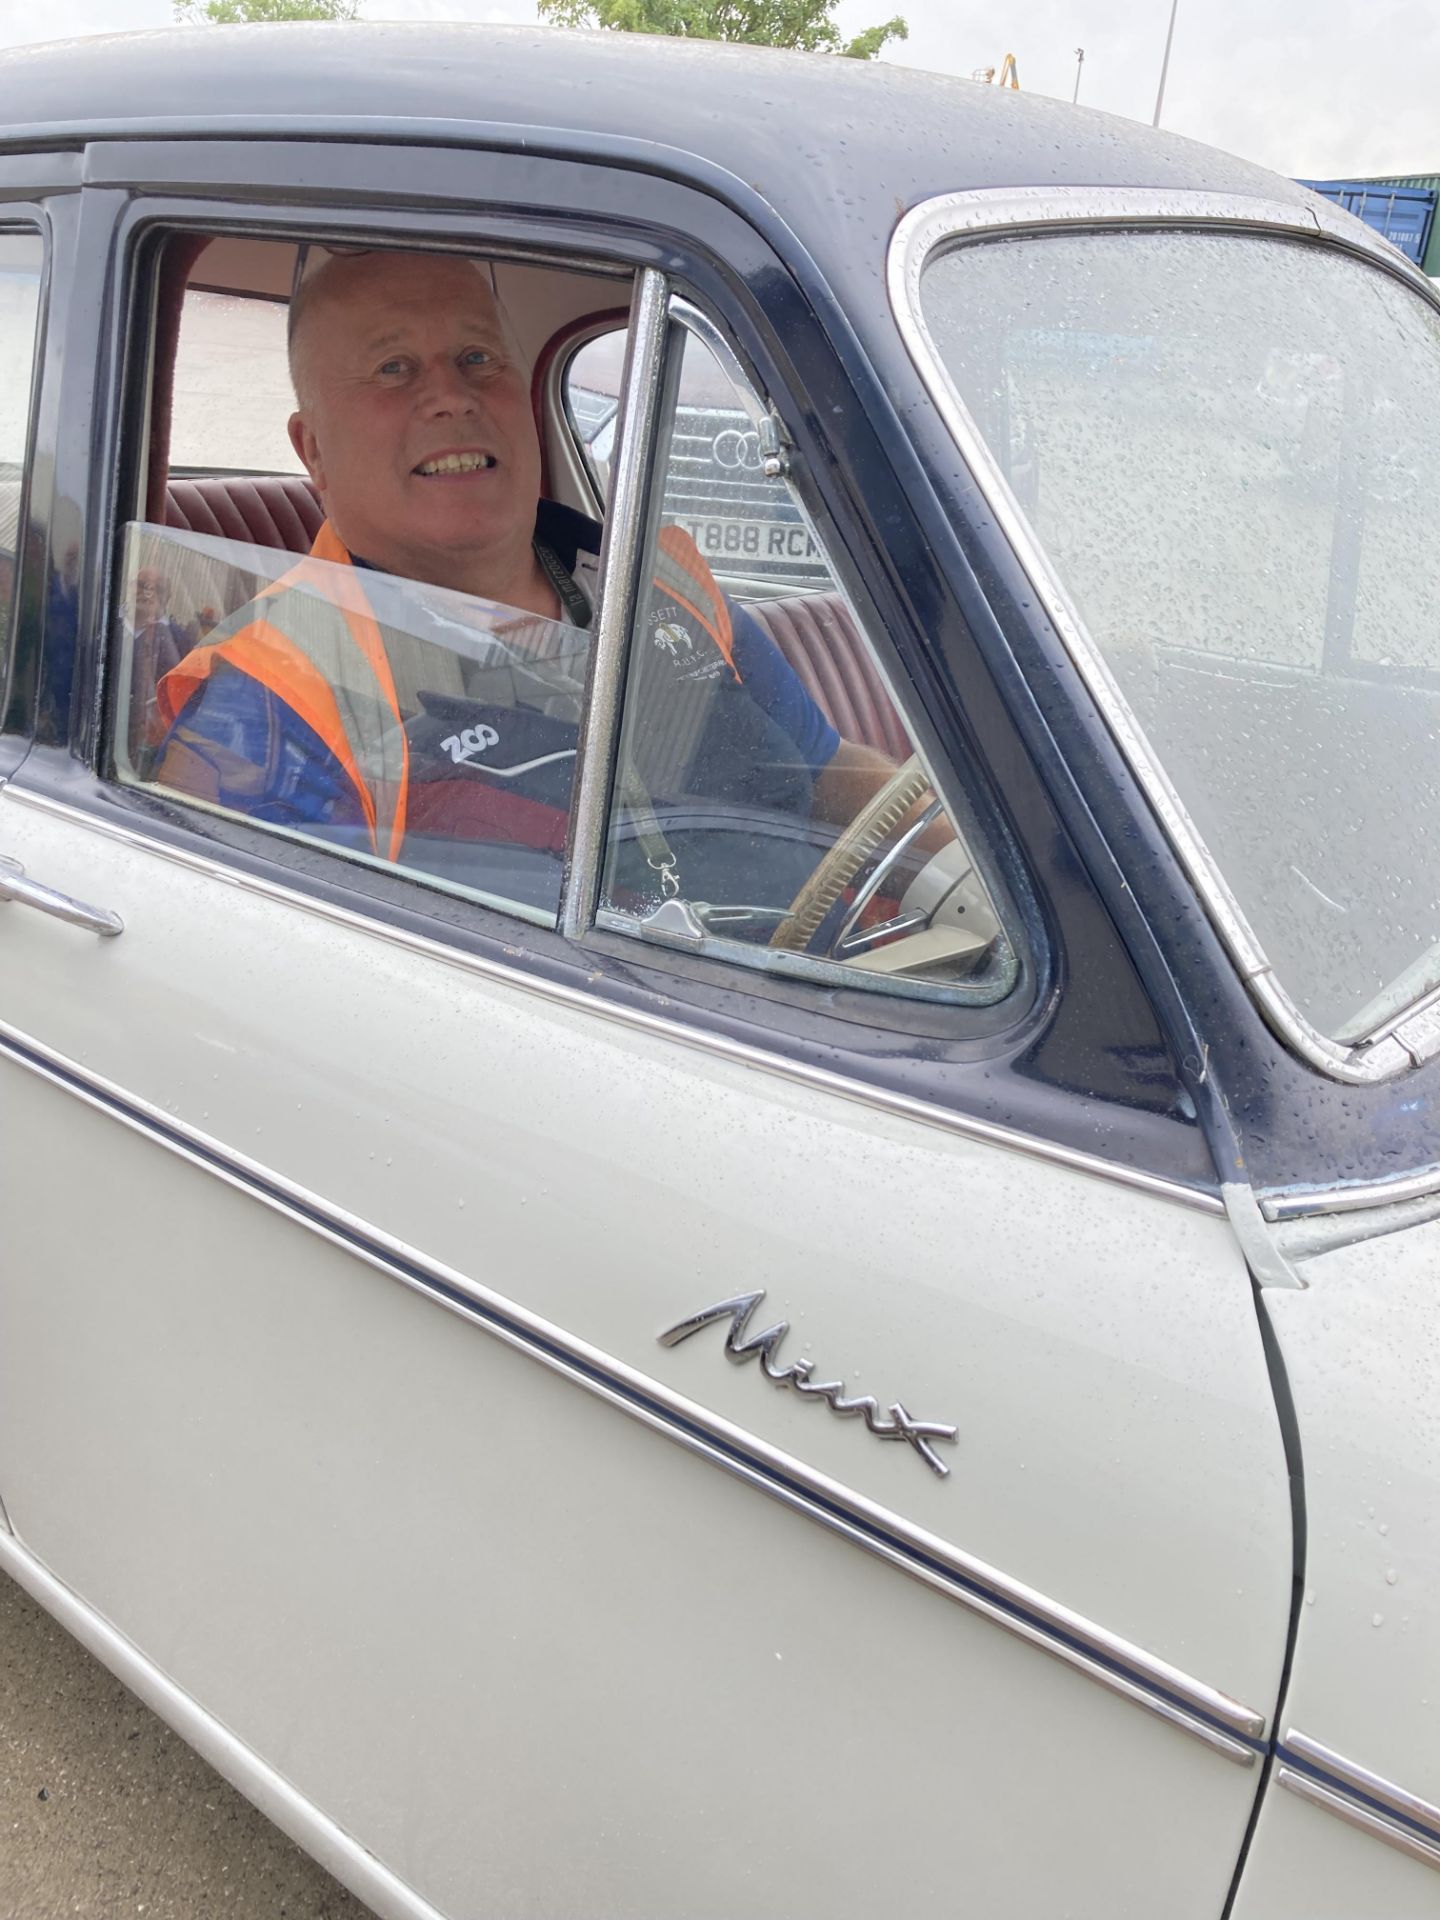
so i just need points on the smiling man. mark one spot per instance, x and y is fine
(414, 422)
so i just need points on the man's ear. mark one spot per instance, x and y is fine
(307, 447)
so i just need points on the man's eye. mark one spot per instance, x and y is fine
(389, 367)
(475, 357)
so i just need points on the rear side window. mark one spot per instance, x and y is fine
(232, 385)
(21, 263)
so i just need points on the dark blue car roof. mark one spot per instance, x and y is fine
(809, 133)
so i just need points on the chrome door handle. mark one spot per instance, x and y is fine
(29, 893)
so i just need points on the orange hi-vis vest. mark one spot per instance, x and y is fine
(681, 573)
(311, 638)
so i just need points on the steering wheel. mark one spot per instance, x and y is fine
(877, 822)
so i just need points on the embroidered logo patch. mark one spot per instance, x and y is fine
(674, 639)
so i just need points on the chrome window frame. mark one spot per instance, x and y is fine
(953, 220)
(621, 550)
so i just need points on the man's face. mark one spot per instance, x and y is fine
(415, 421)
(152, 595)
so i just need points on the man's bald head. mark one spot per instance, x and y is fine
(330, 277)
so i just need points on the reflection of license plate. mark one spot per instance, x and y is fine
(762, 542)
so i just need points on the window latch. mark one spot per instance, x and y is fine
(675, 923)
(774, 459)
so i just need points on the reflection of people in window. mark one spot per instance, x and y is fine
(158, 643)
(9, 540)
(415, 422)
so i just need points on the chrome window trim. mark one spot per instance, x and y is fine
(746, 1053)
(1301, 1203)
(957, 218)
(1225, 1725)
(1365, 1799)
(352, 1864)
(640, 382)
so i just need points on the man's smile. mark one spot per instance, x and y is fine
(467, 460)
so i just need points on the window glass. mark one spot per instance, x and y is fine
(748, 526)
(1231, 448)
(21, 259)
(232, 386)
(418, 727)
(769, 807)
(282, 655)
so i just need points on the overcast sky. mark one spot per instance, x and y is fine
(1315, 88)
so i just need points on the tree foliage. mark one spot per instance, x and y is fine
(230, 13)
(808, 26)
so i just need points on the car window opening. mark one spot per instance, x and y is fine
(362, 616)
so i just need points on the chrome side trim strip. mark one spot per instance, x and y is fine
(1346, 1777)
(640, 382)
(1295, 1203)
(961, 218)
(1404, 1839)
(281, 1803)
(1314, 1234)
(674, 1032)
(1117, 1664)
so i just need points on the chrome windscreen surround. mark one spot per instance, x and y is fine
(957, 219)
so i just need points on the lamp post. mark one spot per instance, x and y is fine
(1079, 63)
(1165, 63)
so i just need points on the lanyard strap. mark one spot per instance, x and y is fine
(577, 607)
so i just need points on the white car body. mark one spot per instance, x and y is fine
(336, 1409)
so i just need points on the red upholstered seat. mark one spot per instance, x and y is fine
(272, 511)
(817, 636)
(814, 631)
